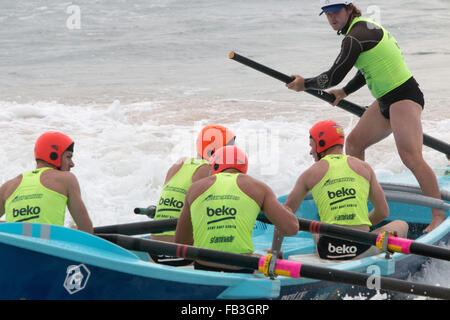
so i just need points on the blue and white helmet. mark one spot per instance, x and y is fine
(333, 5)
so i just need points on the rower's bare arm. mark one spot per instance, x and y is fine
(281, 216)
(184, 232)
(2, 201)
(76, 206)
(298, 193)
(377, 197)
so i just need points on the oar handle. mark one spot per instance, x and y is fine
(150, 211)
(394, 244)
(257, 66)
(282, 267)
(344, 104)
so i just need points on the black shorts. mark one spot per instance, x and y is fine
(407, 91)
(337, 249)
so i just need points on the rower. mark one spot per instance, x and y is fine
(398, 103)
(220, 211)
(179, 178)
(341, 185)
(41, 195)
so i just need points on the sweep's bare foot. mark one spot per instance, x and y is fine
(435, 222)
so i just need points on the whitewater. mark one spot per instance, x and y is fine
(134, 82)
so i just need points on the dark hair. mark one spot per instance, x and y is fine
(354, 12)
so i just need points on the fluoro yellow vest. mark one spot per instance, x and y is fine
(32, 202)
(173, 194)
(341, 196)
(223, 216)
(383, 66)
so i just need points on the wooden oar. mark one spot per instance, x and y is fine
(281, 267)
(344, 104)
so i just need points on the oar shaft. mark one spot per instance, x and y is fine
(282, 267)
(395, 244)
(337, 231)
(139, 227)
(364, 280)
(430, 251)
(349, 106)
(257, 66)
(183, 251)
(344, 104)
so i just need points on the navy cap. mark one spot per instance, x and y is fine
(333, 8)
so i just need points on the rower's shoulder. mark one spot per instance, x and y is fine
(58, 176)
(358, 162)
(360, 167)
(174, 168)
(200, 186)
(9, 187)
(365, 30)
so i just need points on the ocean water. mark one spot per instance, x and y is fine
(133, 82)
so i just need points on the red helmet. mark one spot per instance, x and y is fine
(212, 138)
(51, 145)
(229, 157)
(326, 134)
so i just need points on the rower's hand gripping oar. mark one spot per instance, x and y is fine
(344, 104)
(281, 267)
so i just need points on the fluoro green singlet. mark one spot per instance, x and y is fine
(383, 66)
(171, 200)
(341, 195)
(223, 216)
(32, 202)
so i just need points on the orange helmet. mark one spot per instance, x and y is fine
(229, 157)
(212, 138)
(327, 134)
(51, 145)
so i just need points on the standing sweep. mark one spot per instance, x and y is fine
(399, 101)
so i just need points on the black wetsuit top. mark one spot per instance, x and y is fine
(362, 37)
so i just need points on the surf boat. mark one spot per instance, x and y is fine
(51, 262)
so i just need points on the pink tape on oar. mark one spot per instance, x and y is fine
(401, 244)
(283, 267)
(395, 244)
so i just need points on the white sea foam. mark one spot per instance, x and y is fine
(134, 85)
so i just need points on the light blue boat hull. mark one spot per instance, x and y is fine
(51, 262)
